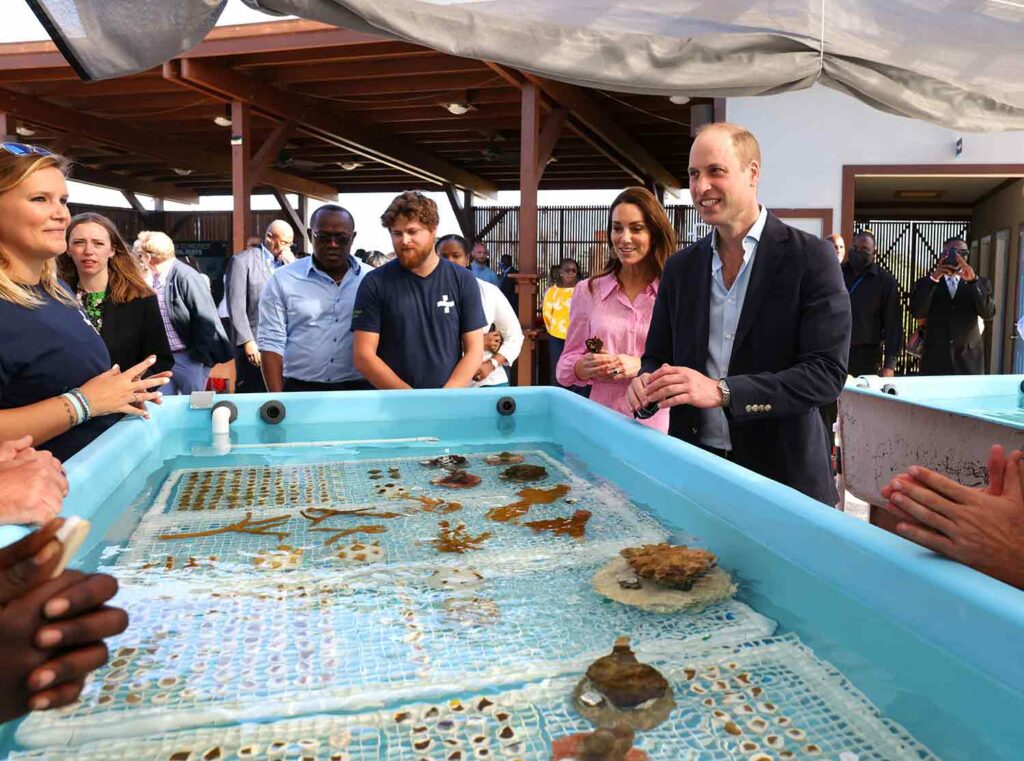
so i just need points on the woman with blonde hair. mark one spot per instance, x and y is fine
(56, 379)
(611, 311)
(189, 314)
(113, 293)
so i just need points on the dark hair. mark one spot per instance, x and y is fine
(411, 205)
(329, 208)
(455, 237)
(947, 241)
(124, 281)
(663, 236)
(505, 259)
(869, 234)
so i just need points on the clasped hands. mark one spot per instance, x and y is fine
(981, 528)
(51, 630)
(671, 386)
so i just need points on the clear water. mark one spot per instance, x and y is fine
(524, 637)
(1004, 409)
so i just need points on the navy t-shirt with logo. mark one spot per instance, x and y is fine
(420, 320)
(44, 352)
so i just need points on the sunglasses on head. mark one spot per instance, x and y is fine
(24, 149)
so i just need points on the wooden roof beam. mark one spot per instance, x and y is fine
(588, 111)
(149, 142)
(334, 124)
(583, 108)
(125, 182)
(427, 62)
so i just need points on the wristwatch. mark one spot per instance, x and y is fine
(726, 394)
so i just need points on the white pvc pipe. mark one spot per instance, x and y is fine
(221, 421)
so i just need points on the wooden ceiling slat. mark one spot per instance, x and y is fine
(425, 63)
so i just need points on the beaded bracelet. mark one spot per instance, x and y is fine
(71, 407)
(77, 393)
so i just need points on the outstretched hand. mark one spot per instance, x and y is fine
(124, 392)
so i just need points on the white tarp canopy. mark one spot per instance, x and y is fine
(956, 63)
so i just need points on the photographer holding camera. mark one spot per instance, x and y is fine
(951, 298)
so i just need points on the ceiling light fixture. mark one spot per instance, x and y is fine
(222, 121)
(24, 131)
(458, 107)
(679, 100)
(348, 166)
(182, 172)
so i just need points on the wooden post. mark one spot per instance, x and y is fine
(303, 211)
(5, 126)
(241, 174)
(529, 180)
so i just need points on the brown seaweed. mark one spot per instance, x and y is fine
(457, 539)
(528, 498)
(576, 526)
(245, 526)
(363, 529)
(524, 473)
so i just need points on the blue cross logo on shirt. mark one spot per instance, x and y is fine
(444, 302)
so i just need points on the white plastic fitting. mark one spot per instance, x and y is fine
(221, 421)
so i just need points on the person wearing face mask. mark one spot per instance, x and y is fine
(875, 306)
(951, 298)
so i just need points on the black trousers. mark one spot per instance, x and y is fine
(865, 360)
(294, 384)
(248, 377)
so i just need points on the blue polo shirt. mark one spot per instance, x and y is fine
(420, 320)
(44, 352)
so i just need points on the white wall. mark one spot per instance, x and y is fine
(807, 136)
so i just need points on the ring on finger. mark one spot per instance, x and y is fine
(135, 394)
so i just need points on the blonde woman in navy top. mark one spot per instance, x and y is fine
(56, 379)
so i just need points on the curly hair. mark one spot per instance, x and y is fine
(412, 206)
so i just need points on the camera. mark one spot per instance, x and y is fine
(949, 259)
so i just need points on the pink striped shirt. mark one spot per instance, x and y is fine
(622, 326)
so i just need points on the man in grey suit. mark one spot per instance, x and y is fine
(247, 273)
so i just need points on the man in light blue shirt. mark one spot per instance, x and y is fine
(480, 266)
(304, 334)
(724, 318)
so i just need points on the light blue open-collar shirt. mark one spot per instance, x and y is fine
(306, 318)
(724, 317)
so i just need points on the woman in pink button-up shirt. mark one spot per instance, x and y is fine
(616, 305)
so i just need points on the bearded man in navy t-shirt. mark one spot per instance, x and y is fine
(418, 320)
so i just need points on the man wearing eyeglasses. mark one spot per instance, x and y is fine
(951, 298)
(247, 274)
(305, 311)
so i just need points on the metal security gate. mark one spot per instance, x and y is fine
(908, 251)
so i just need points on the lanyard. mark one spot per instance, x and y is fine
(856, 283)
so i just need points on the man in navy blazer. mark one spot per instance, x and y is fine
(751, 328)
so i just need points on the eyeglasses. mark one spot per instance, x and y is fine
(342, 239)
(24, 149)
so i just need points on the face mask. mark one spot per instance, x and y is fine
(860, 260)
